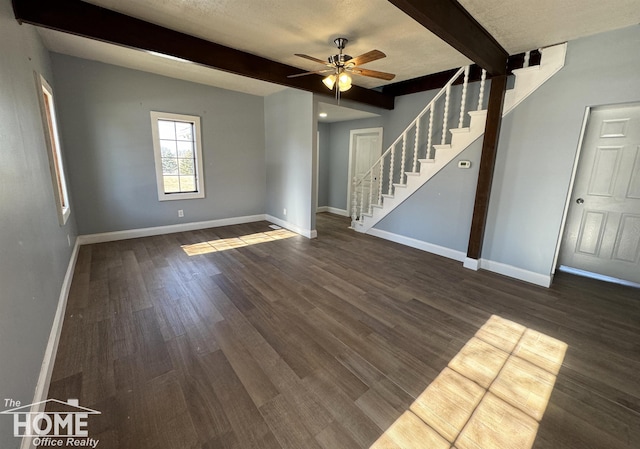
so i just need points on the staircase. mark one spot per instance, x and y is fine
(414, 157)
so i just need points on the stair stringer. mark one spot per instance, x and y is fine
(527, 80)
(461, 138)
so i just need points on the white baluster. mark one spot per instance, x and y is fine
(380, 181)
(393, 156)
(354, 202)
(404, 157)
(370, 191)
(446, 115)
(463, 103)
(481, 96)
(362, 202)
(415, 147)
(527, 55)
(430, 136)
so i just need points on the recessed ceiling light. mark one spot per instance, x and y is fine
(323, 114)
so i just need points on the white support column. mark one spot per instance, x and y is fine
(483, 80)
(527, 56)
(463, 103)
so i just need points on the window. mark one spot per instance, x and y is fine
(52, 142)
(178, 156)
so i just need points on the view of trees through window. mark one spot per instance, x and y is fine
(177, 146)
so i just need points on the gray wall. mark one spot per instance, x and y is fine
(393, 122)
(290, 134)
(324, 159)
(35, 253)
(538, 143)
(107, 131)
(440, 211)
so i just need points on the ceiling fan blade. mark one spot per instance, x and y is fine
(311, 58)
(370, 56)
(316, 72)
(373, 73)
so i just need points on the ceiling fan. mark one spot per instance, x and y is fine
(341, 66)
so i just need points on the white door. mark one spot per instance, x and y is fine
(365, 150)
(602, 234)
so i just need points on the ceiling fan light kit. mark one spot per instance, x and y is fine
(343, 66)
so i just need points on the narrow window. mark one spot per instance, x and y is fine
(178, 156)
(52, 141)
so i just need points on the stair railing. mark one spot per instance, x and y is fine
(368, 190)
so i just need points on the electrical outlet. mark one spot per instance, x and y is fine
(284, 211)
(180, 213)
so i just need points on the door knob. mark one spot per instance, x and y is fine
(579, 201)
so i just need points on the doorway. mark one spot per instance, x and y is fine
(365, 148)
(602, 230)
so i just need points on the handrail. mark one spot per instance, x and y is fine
(408, 128)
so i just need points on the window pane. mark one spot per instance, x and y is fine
(169, 166)
(184, 131)
(167, 129)
(186, 166)
(187, 183)
(171, 184)
(168, 148)
(185, 149)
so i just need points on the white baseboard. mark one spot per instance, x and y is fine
(515, 272)
(472, 264)
(337, 211)
(159, 230)
(46, 370)
(418, 244)
(308, 233)
(333, 210)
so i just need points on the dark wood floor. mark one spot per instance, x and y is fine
(323, 343)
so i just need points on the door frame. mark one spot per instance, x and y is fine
(568, 201)
(352, 135)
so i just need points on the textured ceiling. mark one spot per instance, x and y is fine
(521, 25)
(276, 29)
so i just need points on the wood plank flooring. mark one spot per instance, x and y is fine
(317, 344)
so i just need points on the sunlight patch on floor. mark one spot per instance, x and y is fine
(492, 395)
(213, 246)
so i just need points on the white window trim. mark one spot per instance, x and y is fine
(54, 150)
(157, 154)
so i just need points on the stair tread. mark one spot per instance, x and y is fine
(404, 186)
(412, 173)
(460, 130)
(427, 161)
(531, 68)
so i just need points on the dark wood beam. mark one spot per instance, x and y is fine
(87, 20)
(487, 164)
(437, 80)
(448, 20)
